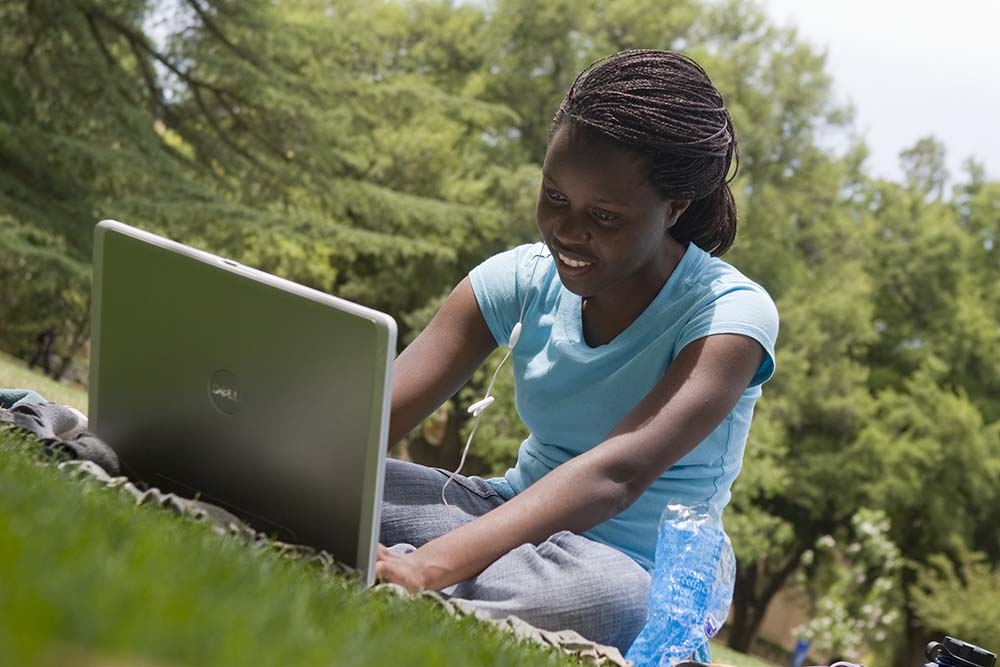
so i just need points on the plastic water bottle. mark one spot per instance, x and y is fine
(691, 587)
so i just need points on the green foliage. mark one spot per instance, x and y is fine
(265, 133)
(961, 599)
(854, 580)
(43, 285)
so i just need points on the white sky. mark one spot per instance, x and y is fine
(911, 68)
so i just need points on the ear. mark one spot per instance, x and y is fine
(675, 209)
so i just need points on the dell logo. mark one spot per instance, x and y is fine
(224, 392)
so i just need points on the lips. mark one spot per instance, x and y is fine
(572, 263)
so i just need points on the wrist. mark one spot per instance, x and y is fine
(435, 574)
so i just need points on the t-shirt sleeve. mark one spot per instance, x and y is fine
(499, 284)
(741, 309)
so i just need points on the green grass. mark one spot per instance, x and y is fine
(88, 579)
(84, 572)
(726, 655)
(14, 373)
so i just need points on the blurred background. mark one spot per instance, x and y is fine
(378, 150)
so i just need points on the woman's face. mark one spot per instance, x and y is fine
(604, 223)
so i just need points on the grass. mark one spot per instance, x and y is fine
(726, 655)
(83, 572)
(14, 373)
(88, 579)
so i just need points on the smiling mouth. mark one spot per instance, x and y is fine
(573, 263)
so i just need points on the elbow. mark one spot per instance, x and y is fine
(629, 493)
(619, 482)
(624, 487)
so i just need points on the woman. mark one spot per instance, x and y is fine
(639, 360)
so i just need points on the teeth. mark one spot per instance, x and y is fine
(573, 262)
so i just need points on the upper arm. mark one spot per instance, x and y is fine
(741, 308)
(699, 389)
(439, 361)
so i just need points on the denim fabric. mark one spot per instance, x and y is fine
(566, 582)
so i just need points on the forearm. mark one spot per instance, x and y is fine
(441, 359)
(575, 496)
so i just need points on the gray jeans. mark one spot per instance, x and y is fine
(566, 582)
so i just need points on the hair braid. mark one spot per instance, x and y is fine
(662, 106)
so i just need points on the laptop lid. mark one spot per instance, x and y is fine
(265, 397)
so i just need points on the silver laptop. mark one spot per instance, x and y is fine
(265, 397)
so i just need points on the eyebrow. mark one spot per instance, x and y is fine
(597, 198)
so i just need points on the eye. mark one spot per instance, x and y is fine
(554, 196)
(604, 216)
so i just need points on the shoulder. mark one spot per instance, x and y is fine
(501, 283)
(712, 279)
(516, 258)
(514, 269)
(724, 300)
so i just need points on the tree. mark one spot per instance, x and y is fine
(853, 579)
(924, 167)
(933, 466)
(270, 134)
(960, 599)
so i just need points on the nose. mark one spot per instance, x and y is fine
(571, 229)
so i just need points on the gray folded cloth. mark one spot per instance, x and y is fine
(62, 429)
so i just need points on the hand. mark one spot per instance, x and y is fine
(403, 569)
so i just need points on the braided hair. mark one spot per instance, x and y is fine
(662, 106)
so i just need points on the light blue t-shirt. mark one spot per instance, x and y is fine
(571, 396)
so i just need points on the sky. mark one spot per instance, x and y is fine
(911, 68)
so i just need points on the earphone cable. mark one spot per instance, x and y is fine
(475, 425)
(489, 388)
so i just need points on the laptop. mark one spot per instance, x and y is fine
(270, 399)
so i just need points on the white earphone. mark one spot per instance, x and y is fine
(477, 408)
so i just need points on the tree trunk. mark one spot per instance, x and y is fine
(742, 632)
(754, 590)
(78, 339)
(909, 652)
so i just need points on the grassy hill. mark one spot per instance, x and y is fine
(14, 373)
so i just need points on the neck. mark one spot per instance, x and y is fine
(607, 315)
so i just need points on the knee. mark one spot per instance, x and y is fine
(395, 474)
(404, 482)
(614, 593)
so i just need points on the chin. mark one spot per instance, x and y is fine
(582, 288)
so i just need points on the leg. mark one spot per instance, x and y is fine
(566, 582)
(412, 511)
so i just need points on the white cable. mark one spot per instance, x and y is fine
(477, 408)
(480, 407)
